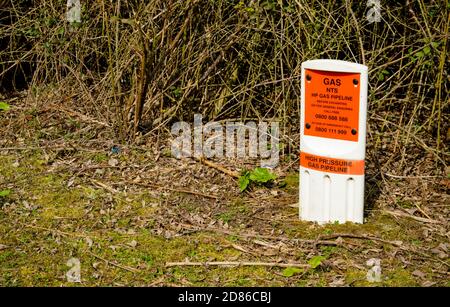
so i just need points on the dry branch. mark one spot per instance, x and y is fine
(417, 218)
(218, 167)
(123, 267)
(238, 263)
(364, 237)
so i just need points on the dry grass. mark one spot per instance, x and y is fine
(230, 59)
(131, 68)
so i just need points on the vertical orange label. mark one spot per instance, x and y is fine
(332, 104)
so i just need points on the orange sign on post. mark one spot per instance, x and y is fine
(332, 165)
(333, 118)
(332, 104)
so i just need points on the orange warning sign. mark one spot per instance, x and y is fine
(332, 104)
(332, 165)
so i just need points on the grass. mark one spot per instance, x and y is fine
(58, 227)
(131, 68)
(116, 239)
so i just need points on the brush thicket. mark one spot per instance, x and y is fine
(141, 65)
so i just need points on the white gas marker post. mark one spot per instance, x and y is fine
(333, 141)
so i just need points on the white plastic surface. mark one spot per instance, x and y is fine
(328, 197)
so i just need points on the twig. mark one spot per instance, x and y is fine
(51, 147)
(358, 30)
(127, 268)
(102, 185)
(238, 263)
(157, 282)
(214, 165)
(422, 211)
(365, 237)
(258, 236)
(218, 167)
(410, 177)
(242, 249)
(417, 218)
(82, 117)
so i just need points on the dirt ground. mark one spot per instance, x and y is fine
(135, 216)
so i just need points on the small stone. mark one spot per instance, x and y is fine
(99, 171)
(113, 162)
(419, 274)
(89, 241)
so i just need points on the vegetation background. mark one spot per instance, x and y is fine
(131, 68)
